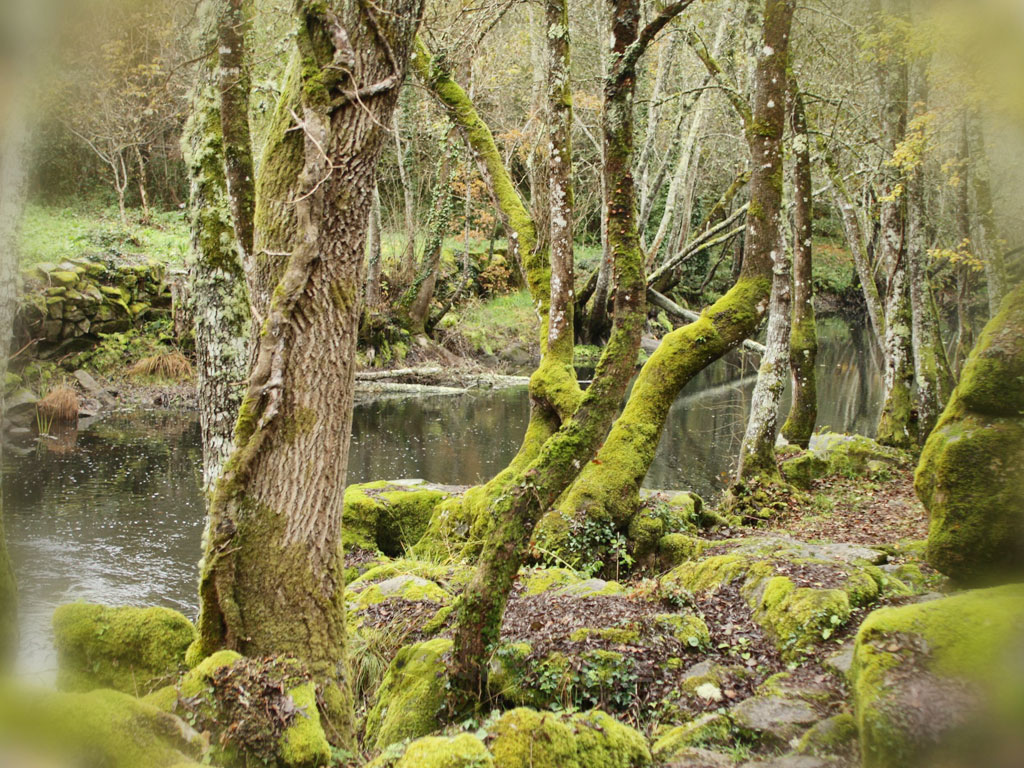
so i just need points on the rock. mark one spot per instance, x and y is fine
(774, 719)
(133, 650)
(385, 516)
(694, 757)
(592, 588)
(539, 580)
(935, 682)
(525, 738)
(20, 406)
(412, 695)
(969, 476)
(709, 728)
(790, 761)
(803, 470)
(462, 751)
(841, 661)
(834, 735)
(93, 388)
(111, 728)
(853, 455)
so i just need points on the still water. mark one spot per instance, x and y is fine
(113, 513)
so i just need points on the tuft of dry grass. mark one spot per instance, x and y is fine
(60, 406)
(171, 365)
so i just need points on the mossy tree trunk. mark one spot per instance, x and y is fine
(895, 423)
(931, 369)
(373, 255)
(608, 488)
(554, 391)
(964, 272)
(535, 489)
(271, 581)
(414, 306)
(217, 284)
(803, 335)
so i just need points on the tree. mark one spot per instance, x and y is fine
(607, 489)
(803, 335)
(271, 579)
(220, 302)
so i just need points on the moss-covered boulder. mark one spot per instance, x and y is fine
(709, 729)
(134, 650)
(412, 695)
(389, 516)
(463, 750)
(942, 682)
(804, 469)
(798, 593)
(110, 728)
(525, 738)
(854, 455)
(970, 475)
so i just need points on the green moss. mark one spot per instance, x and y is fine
(405, 587)
(799, 617)
(114, 729)
(803, 470)
(967, 637)
(688, 628)
(544, 579)
(830, 736)
(387, 517)
(854, 455)
(604, 742)
(129, 649)
(622, 635)
(194, 682)
(303, 743)
(708, 729)
(677, 548)
(411, 696)
(461, 751)
(992, 378)
(524, 738)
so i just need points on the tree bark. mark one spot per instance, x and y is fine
(373, 258)
(272, 575)
(535, 489)
(964, 330)
(217, 285)
(803, 335)
(608, 488)
(987, 235)
(560, 188)
(895, 424)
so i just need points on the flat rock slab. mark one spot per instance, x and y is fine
(773, 717)
(792, 761)
(699, 758)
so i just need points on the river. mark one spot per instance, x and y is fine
(113, 513)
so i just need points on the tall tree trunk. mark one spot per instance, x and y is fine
(557, 464)
(272, 576)
(560, 189)
(986, 238)
(757, 451)
(608, 488)
(964, 330)
(407, 262)
(895, 424)
(931, 370)
(217, 283)
(373, 258)
(803, 335)
(596, 326)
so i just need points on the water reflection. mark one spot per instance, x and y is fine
(113, 513)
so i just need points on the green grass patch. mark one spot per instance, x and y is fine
(492, 325)
(52, 234)
(833, 268)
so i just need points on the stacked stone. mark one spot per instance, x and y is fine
(76, 301)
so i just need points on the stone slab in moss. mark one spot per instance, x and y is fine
(941, 680)
(711, 728)
(114, 729)
(773, 720)
(134, 650)
(412, 695)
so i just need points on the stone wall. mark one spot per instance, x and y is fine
(66, 307)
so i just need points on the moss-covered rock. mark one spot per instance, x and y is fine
(941, 681)
(803, 470)
(707, 730)
(969, 476)
(111, 728)
(388, 516)
(461, 751)
(303, 744)
(854, 455)
(134, 650)
(538, 580)
(832, 736)
(767, 571)
(411, 696)
(525, 738)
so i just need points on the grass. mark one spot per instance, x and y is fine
(53, 234)
(497, 323)
(170, 366)
(834, 271)
(60, 406)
